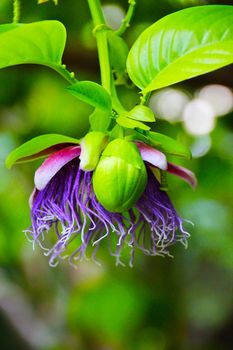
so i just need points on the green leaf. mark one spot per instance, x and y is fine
(162, 142)
(169, 145)
(100, 120)
(38, 42)
(37, 147)
(141, 113)
(118, 51)
(131, 124)
(92, 93)
(181, 46)
(8, 26)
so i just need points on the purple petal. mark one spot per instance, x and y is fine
(53, 164)
(183, 173)
(152, 156)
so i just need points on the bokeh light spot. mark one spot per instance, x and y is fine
(199, 117)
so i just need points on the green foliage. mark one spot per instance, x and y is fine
(118, 51)
(39, 42)
(169, 145)
(92, 93)
(100, 120)
(182, 45)
(37, 147)
(162, 142)
(6, 27)
(130, 123)
(141, 113)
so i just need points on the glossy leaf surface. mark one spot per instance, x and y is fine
(141, 113)
(38, 42)
(38, 147)
(92, 93)
(131, 124)
(182, 45)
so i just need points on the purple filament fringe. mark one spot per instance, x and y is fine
(69, 206)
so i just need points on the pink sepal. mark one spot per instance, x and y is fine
(183, 173)
(152, 156)
(53, 164)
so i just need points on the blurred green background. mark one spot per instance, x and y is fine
(184, 303)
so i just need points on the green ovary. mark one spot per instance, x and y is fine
(120, 176)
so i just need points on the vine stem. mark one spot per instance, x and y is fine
(16, 11)
(145, 98)
(100, 31)
(126, 21)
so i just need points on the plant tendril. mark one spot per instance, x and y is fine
(126, 21)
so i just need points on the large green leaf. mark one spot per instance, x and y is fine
(182, 45)
(8, 26)
(38, 42)
(38, 147)
(92, 93)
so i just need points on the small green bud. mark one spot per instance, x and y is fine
(120, 176)
(91, 147)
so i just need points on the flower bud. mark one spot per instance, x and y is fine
(91, 147)
(120, 176)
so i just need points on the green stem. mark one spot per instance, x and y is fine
(100, 32)
(116, 104)
(145, 98)
(16, 11)
(126, 21)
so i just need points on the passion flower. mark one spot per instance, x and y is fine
(95, 190)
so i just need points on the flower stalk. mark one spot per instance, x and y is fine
(126, 21)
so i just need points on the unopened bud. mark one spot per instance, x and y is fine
(120, 176)
(91, 147)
